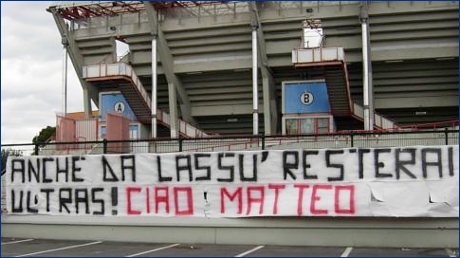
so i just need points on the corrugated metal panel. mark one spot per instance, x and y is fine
(86, 130)
(65, 132)
(117, 130)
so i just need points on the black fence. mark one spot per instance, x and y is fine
(241, 143)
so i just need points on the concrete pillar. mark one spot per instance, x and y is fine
(268, 121)
(368, 124)
(173, 110)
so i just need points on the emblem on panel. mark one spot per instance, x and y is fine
(306, 98)
(119, 107)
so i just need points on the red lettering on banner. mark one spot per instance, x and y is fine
(276, 188)
(128, 196)
(319, 199)
(237, 193)
(251, 199)
(162, 198)
(300, 199)
(147, 201)
(351, 190)
(189, 198)
(315, 198)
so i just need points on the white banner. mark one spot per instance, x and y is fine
(419, 181)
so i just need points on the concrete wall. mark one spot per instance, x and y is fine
(296, 231)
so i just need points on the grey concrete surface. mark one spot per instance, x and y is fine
(17, 247)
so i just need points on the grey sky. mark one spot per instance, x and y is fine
(31, 71)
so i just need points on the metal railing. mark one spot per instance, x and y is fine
(351, 139)
(106, 70)
(240, 143)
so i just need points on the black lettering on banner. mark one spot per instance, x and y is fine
(131, 167)
(34, 171)
(186, 167)
(451, 161)
(114, 195)
(124, 167)
(264, 155)
(330, 165)
(306, 165)
(400, 164)
(21, 169)
(47, 193)
(162, 178)
(288, 166)
(81, 199)
(19, 208)
(44, 178)
(64, 170)
(361, 153)
(437, 163)
(29, 206)
(107, 168)
(95, 200)
(76, 169)
(64, 200)
(231, 169)
(243, 178)
(378, 164)
(197, 157)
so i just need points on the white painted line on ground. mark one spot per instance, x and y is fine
(450, 253)
(153, 250)
(59, 249)
(250, 251)
(19, 241)
(347, 251)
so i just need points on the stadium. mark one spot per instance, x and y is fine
(211, 82)
(324, 77)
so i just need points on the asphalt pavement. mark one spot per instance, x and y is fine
(19, 247)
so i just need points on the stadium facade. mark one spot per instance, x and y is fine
(233, 68)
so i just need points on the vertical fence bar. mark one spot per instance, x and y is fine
(180, 143)
(262, 135)
(351, 140)
(104, 143)
(446, 134)
(36, 150)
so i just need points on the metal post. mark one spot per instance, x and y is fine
(364, 27)
(65, 44)
(154, 86)
(370, 81)
(255, 97)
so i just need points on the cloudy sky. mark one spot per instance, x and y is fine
(31, 75)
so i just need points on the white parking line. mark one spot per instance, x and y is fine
(250, 251)
(19, 241)
(450, 253)
(59, 249)
(347, 251)
(153, 250)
